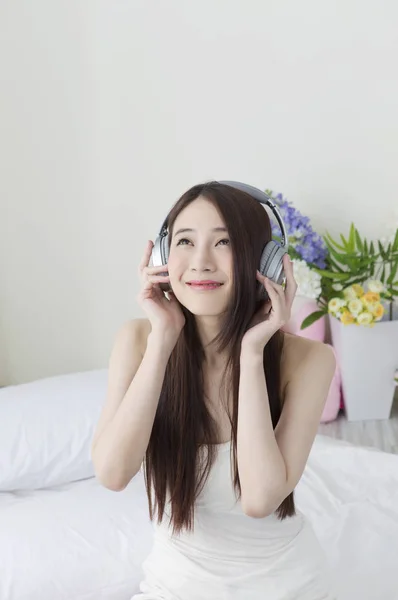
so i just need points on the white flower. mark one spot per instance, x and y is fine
(337, 287)
(374, 285)
(355, 306)
(350, 294)
(335, 304)
(365, 318)
(308, 282)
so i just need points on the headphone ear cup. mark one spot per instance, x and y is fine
(160, 252)
(160, 256)
(164, 249)
(153, 260)
(271, 266)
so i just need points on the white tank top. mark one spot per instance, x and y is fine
(230, 556)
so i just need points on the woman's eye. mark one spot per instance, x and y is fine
(183, 241)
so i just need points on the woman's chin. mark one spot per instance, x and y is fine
(204, 308)
(203, 303)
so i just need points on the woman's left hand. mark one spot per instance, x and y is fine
(274, 313)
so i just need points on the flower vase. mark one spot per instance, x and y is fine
(368, 359)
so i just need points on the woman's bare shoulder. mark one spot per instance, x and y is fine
(295, 350)
(137, 330)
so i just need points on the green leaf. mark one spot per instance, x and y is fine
(365, 261)
(341, 258)
(331, 242)
(371, 248)
(351, 238)
(365, 247)
(359, 279)
(312, 318)
(345, 242)
(335, 266)
(382, 250)
(395, 242)
(358, 240)
(332, 274)
(394, 269)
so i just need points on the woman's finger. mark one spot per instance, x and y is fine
(146, 256)
(278, 288)
(267, 307)
(274, 295)
(158, 278)
(291, 284)
(155, 270)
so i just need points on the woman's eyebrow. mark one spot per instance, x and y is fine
(185, 229)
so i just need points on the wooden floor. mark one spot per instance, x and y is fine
(379, 434)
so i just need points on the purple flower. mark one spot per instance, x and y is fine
(307, 244)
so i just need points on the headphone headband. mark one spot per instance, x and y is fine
(258, 195)
(263, 198)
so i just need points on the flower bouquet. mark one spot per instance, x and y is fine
(357, 306)
(359, 286)
(353, 281)
(352, 265)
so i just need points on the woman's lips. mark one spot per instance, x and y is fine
(204, 285)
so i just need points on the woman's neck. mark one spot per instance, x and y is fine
(208, 329)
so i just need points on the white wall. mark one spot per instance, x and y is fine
(110, 110)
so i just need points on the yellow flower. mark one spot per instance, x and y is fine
(358, 289)
(370, 297)
(349, 293)
(375, 285)
(371, 306)
(347, 318)
(365, 318)
(355, 306)
(335, 304)
(377, 310)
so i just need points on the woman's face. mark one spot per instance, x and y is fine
(200, 252)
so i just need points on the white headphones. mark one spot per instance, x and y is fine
(271, 261)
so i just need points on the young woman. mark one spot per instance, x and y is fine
(220, 408)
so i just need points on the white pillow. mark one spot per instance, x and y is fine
(46, 429)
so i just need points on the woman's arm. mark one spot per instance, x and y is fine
(271, 463)
(135, 381)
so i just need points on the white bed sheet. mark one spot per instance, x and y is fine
(83, 542)
(77, 541)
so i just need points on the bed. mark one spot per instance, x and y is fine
(65, 537)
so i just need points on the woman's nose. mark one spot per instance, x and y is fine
(202, 260)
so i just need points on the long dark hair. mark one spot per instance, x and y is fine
(182, 422)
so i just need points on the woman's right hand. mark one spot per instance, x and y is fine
(165, 314)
